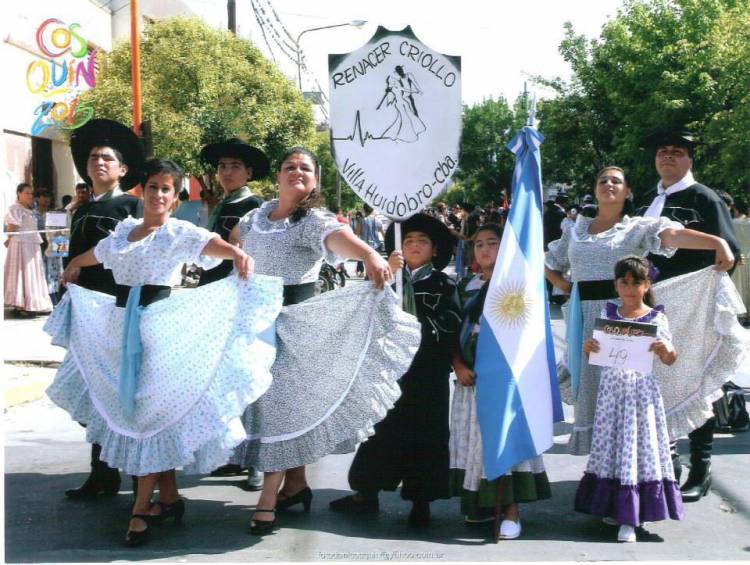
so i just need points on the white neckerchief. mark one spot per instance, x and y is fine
(656, 207)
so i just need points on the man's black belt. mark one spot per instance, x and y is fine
(596, 290)
(150, 293)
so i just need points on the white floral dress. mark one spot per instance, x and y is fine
(207, 354)
(703, 308)
(629, 475)
(339, 355)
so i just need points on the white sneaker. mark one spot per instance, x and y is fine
(510, 529)
(610, 521)
(626, 534)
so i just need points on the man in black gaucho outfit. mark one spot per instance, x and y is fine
(679, 197)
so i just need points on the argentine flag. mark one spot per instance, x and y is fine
(518, 398)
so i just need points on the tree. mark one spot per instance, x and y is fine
(199, 86)
(349, 199)
(485, 166)
(657, 64)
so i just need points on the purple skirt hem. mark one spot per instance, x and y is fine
(629, 504)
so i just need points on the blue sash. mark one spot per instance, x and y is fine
(575, 339)
(132, 351)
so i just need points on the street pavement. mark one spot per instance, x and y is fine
(46, 453)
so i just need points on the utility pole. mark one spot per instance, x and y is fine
(232, 15)
(135, 66)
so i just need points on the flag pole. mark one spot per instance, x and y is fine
(532, 112)
(397, 274)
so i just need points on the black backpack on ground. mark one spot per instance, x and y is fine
(730, 410)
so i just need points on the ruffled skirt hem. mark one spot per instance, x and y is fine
(650, 501)
(384, 354)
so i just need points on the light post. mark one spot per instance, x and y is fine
(354, 23)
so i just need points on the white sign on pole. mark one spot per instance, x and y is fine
(395, 121)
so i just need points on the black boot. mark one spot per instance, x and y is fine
(102, 479)
(419, 517)
(676, 463)
(699, 478)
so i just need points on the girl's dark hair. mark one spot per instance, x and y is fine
(313, 199)
(475, 310)
(156, 166)
(627, 207)
(638, 268)
(489, 226)
(21, 186)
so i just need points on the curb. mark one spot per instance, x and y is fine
(25, 393)
(26, 382)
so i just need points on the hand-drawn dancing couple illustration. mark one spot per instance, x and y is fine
(399, 93)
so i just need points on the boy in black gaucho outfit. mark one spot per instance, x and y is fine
(410, 445)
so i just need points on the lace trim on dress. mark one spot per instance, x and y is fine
(263, 224)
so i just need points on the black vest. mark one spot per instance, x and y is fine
(698, 208)
(228, 217)
(91, 223)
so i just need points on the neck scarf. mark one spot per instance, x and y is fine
(655, 210)
(234, 196)
(108, 195)
(411, 277)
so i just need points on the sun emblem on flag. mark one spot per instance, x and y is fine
(510, 304)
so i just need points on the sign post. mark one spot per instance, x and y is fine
(395, 122)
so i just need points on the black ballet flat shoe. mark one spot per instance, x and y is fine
(263, 527)
(228, 470)
(350, 505)
(133, 538)
(303, 497)
(419, 517)
(175, 510)
(95, 486)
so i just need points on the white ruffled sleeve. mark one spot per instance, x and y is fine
(14, 216)
(556, 258)
(319, 224)
(246, 223)
(649, 230)
(108, 250)
(662, 328)
(188, 243)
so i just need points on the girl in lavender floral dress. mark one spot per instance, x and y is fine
(629, 478)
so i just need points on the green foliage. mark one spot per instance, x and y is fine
(201, 85)
(485, 165)
(322, 151)
(657, 64)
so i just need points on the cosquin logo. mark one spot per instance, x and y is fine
(69, 67)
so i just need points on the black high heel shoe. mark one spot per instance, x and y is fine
(134, 538)
(175, 510)
(263, 527)
(303, 496)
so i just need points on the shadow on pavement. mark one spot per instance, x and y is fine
(39, 520)
(41, 525)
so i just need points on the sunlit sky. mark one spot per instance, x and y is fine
(501, 43)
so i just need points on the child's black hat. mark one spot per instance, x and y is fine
(436, 230)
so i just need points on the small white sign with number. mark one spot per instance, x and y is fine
(624, 345)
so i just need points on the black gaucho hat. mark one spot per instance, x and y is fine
(436, 230)
(675, 137)
(108, 133)
(237, 149)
